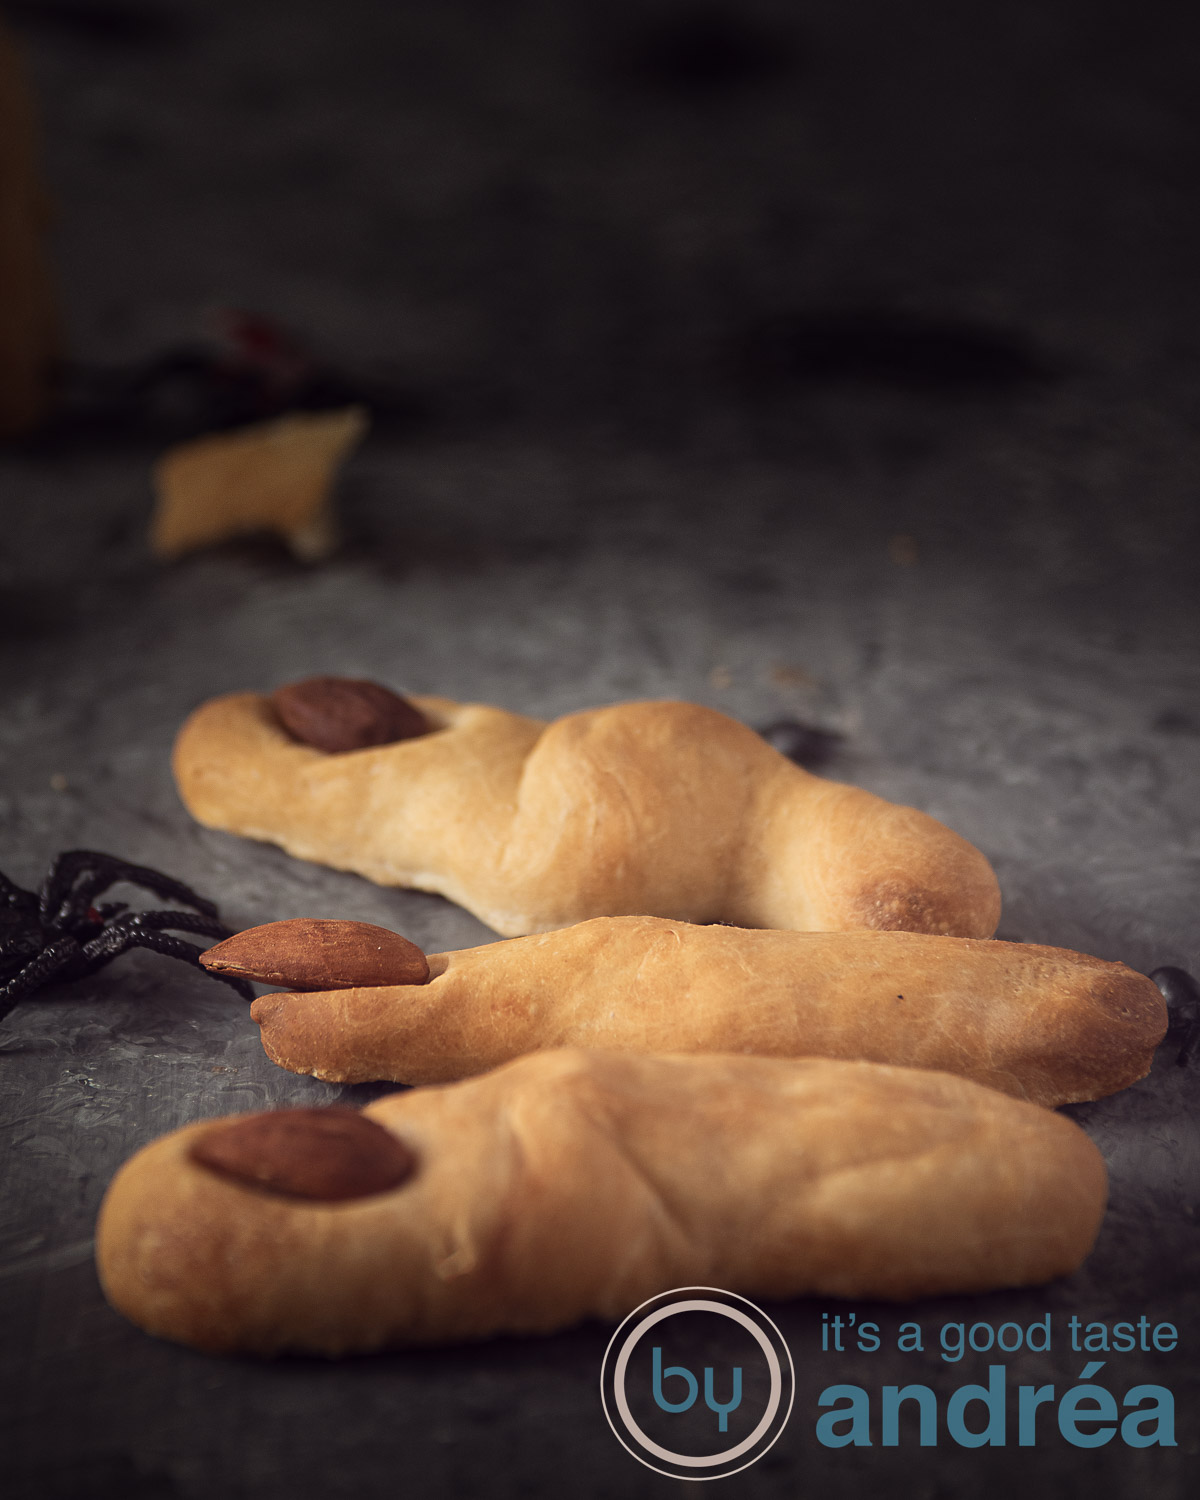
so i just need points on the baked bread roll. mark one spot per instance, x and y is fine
(667, 809)
(572, 1184)
(1039, 1023)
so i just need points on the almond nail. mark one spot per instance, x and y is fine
(337, 714)
(308, 953)
(324, 1155)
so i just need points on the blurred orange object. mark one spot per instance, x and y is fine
(28, 319)
(273, 476)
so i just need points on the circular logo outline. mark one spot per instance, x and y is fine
(686, 1462)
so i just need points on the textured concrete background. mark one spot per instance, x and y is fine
(827, 361)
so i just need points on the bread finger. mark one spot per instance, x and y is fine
(1039, 1023)
(573, 1184)
(669, 809)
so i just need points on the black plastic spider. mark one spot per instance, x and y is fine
(58, 934)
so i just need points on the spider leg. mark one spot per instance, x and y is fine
(17, 951)
(124, 935)
(14, 896)
(77, 876)
(65, 954)
(55, 898)
(176, 921)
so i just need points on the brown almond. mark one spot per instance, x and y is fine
(311, 953)
(325, 1155)
(337, 714)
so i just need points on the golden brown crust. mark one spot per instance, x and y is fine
(1038, 1023)
(574, 1184)
(663, 808)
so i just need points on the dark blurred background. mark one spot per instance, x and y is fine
(657, 217)
(829, 362)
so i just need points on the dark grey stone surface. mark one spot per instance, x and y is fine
(852, 379)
